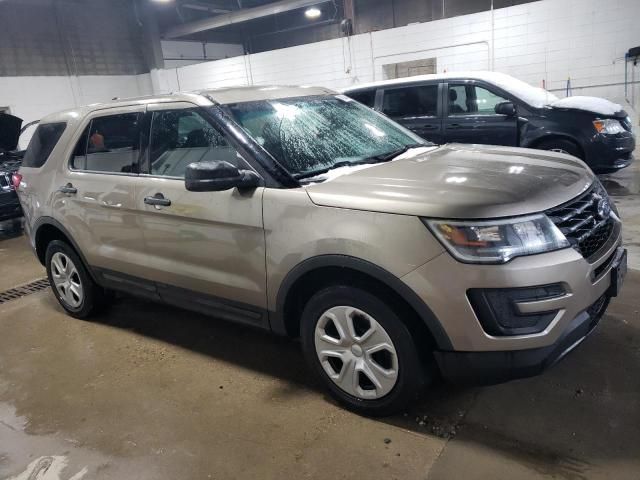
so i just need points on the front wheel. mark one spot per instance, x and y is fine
(561, 145)
(361, 350)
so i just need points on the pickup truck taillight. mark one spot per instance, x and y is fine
(16, 178)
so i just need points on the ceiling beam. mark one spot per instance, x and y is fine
(238, 16)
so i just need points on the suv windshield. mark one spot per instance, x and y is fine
(311, 135)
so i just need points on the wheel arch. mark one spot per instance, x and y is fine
(312, 274)
(535, 143)
(48, 229)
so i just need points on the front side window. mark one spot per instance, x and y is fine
(472, 100)
(486, 101)
(109, 144)
(417, 101)
(42, 142)
(181, 137)
(308, 135)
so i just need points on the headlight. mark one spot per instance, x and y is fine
(497, 241)
(609, 126)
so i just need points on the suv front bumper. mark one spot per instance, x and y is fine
(486, 368)
(479, 357)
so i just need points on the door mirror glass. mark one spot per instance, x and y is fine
(505, 108)
(217, 176)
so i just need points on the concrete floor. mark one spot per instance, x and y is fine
(151, 392)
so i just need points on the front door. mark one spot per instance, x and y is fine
(415, 107)
(205, 250)
(471, 118)
(95, 196)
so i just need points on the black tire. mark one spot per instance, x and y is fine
(411, 378)
(561, 145)
(94, 298)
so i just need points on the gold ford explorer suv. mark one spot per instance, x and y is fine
(302, 212)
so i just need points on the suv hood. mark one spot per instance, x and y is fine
(9, 131)
(458, 181)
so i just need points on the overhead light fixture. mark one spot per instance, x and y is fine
(313, 12)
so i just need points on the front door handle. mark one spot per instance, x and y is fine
(157, 200)
(455, 126)
(69, 189)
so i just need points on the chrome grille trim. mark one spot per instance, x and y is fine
(580, 221)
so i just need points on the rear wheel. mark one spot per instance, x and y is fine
(561, 145)
(72, 285)
(361, 350)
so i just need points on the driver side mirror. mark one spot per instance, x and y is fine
(219, 176)
(505, 108)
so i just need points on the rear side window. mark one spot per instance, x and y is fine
(42, 143)
(366, 97)
(417, 101)
(110, 144)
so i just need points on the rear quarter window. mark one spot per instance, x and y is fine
(42, 143)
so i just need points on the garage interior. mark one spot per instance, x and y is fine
(148, 391)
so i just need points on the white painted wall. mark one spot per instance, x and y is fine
(31, 98)
(550, 40)
(182, 53)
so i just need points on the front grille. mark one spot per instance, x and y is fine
(586, 220)
(626, 124)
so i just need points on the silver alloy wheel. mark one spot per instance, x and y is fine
(66, 280)
(356, 352)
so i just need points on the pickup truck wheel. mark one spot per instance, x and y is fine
(361, 350)
(72, 285)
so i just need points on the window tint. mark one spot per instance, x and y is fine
(458, 100)
(112, 145)
(367, 97)
(181, 137)
(42, 143)
(416, 101)
(486, 101)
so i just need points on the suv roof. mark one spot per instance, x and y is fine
(201, 97)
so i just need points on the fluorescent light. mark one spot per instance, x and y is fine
(312, 12)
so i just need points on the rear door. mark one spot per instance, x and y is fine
(417, 108)
(205, 250)
(470, 116)
(96, 188)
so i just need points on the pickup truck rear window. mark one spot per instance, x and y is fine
(42, 143)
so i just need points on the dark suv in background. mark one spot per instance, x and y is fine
(497, 109)
(10, 160)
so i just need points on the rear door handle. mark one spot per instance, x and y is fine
(157, 200)
(68, 189)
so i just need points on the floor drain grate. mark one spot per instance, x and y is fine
(24, 290)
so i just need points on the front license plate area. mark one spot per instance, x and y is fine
(618, 272)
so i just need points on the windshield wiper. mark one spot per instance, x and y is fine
(344, 163)
(385, 157)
